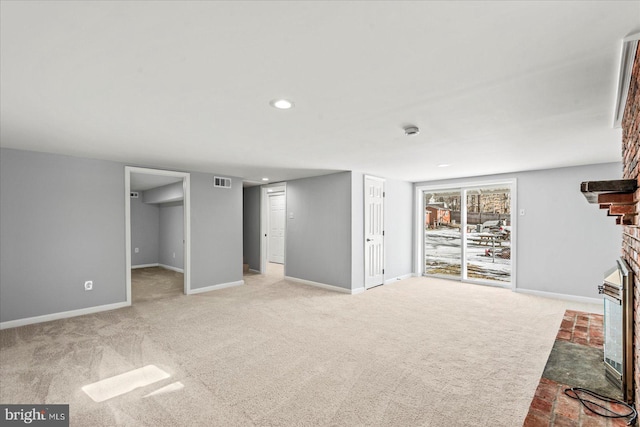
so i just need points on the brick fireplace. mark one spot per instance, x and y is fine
(621, 198)
(631, 232)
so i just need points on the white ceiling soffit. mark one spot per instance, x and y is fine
(143, 181)
(627, 56)
(493, 86)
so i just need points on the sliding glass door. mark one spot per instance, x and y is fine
(488, 234)
(468, 233)
(442, 236)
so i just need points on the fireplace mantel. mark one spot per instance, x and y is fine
(618, 196)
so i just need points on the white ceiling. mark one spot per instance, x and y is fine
(494, 86)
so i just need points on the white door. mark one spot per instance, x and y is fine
(276, 228)
(373, 232)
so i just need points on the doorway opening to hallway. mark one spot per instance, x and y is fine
(273, 229)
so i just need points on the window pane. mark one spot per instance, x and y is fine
(488, 234)
(442, 238)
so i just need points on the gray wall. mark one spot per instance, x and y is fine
(398, 228)
(564, 243)
(62, 223)
(251, 227)
(357, 230)
(325, 240)
(318, 238)
(171, 232)
(398, 225)
(145, 231)
(216, 232)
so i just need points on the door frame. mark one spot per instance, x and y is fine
(264, 222)
(186, 182)
(512, 183)
(364, 222)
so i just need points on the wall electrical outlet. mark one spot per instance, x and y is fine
(136, 250)
(88, 285)
(174, 254)
(521, 212)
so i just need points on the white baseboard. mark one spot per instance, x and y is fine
(398, 278)
(254, 271)
(168, 267)
(215, 287)
(165, 266)
(323, 285)
(61, 315)
(357, 291)
(144, 265)
(566, 297)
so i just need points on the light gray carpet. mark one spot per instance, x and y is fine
(155, 282)
(419, 352)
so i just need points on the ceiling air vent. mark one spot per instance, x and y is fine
(134, 195)
(221, 182)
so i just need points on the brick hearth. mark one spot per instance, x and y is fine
(582, 328)
(550, 406)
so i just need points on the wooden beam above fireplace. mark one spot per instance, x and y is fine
(617, 196)
(592, 189)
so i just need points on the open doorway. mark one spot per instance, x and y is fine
(157, 212)
(273, 229)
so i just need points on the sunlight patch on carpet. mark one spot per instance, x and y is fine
(167, 389)
(124, 383)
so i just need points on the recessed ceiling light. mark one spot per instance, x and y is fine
(265, 179)
(281, 104)
(444, 165)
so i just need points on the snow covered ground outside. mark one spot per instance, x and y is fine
(443, 255)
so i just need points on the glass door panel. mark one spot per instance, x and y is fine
(488, 234)
(442, 236)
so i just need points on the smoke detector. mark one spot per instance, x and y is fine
(411, 130)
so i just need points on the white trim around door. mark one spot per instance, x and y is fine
(186, 182)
